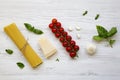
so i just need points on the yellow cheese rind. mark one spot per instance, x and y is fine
(17, 37)
(47, 47)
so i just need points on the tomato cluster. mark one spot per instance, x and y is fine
(64, 38)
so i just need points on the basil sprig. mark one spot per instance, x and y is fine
(33, 29)
(85, 13)
(104, 34)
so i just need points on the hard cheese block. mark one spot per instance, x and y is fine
(14, 33)
(47, 48)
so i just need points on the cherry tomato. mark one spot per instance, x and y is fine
(72, 54)
(69, 49)
(72, 43)
(54, 20)
(64, 33)
(51, 26)
(65, 44)
(54, 30)
(58, 25)
(76, 48)
(57, 35)
(61, 30)
(62, 39)
(68, 38)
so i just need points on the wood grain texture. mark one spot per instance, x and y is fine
(104, 65)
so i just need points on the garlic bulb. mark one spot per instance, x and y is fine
(91, 49)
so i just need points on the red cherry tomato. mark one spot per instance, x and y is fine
(54, 30)
(61, 30)
(57, 35)
(62, 39)
(64, 33)
(65, 44)
(58, 25)
(72, 54)
(68, 38)
(69, 49)
(51, 26)
(72, 43)
(54, 20)
(76, 48)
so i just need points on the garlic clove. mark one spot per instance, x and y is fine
(70, 29)
(78, 28)
(78, 36)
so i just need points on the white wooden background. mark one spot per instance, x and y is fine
(104, 65)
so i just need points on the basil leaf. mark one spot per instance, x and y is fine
(20, 65)
(97, 16)
(29, 26)
(97, 38)
(112, 32)
(9, 51)
(111, 42)
(85, 13)
(32, 29)
(102, 32)
(37, 31)
(57, 59)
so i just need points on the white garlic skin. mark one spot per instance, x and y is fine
(91, 49)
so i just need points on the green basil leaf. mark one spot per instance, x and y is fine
(29, 26)
(85, 13)
(97, 16)
(9, 51)
(111, 42)
(112, 32)
(37, 31)
(102, 32)
(32, 29)
(20, 65)
(57, 59)
(97, 38)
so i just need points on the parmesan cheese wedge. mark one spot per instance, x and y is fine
(47, 48)
(17, 37)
